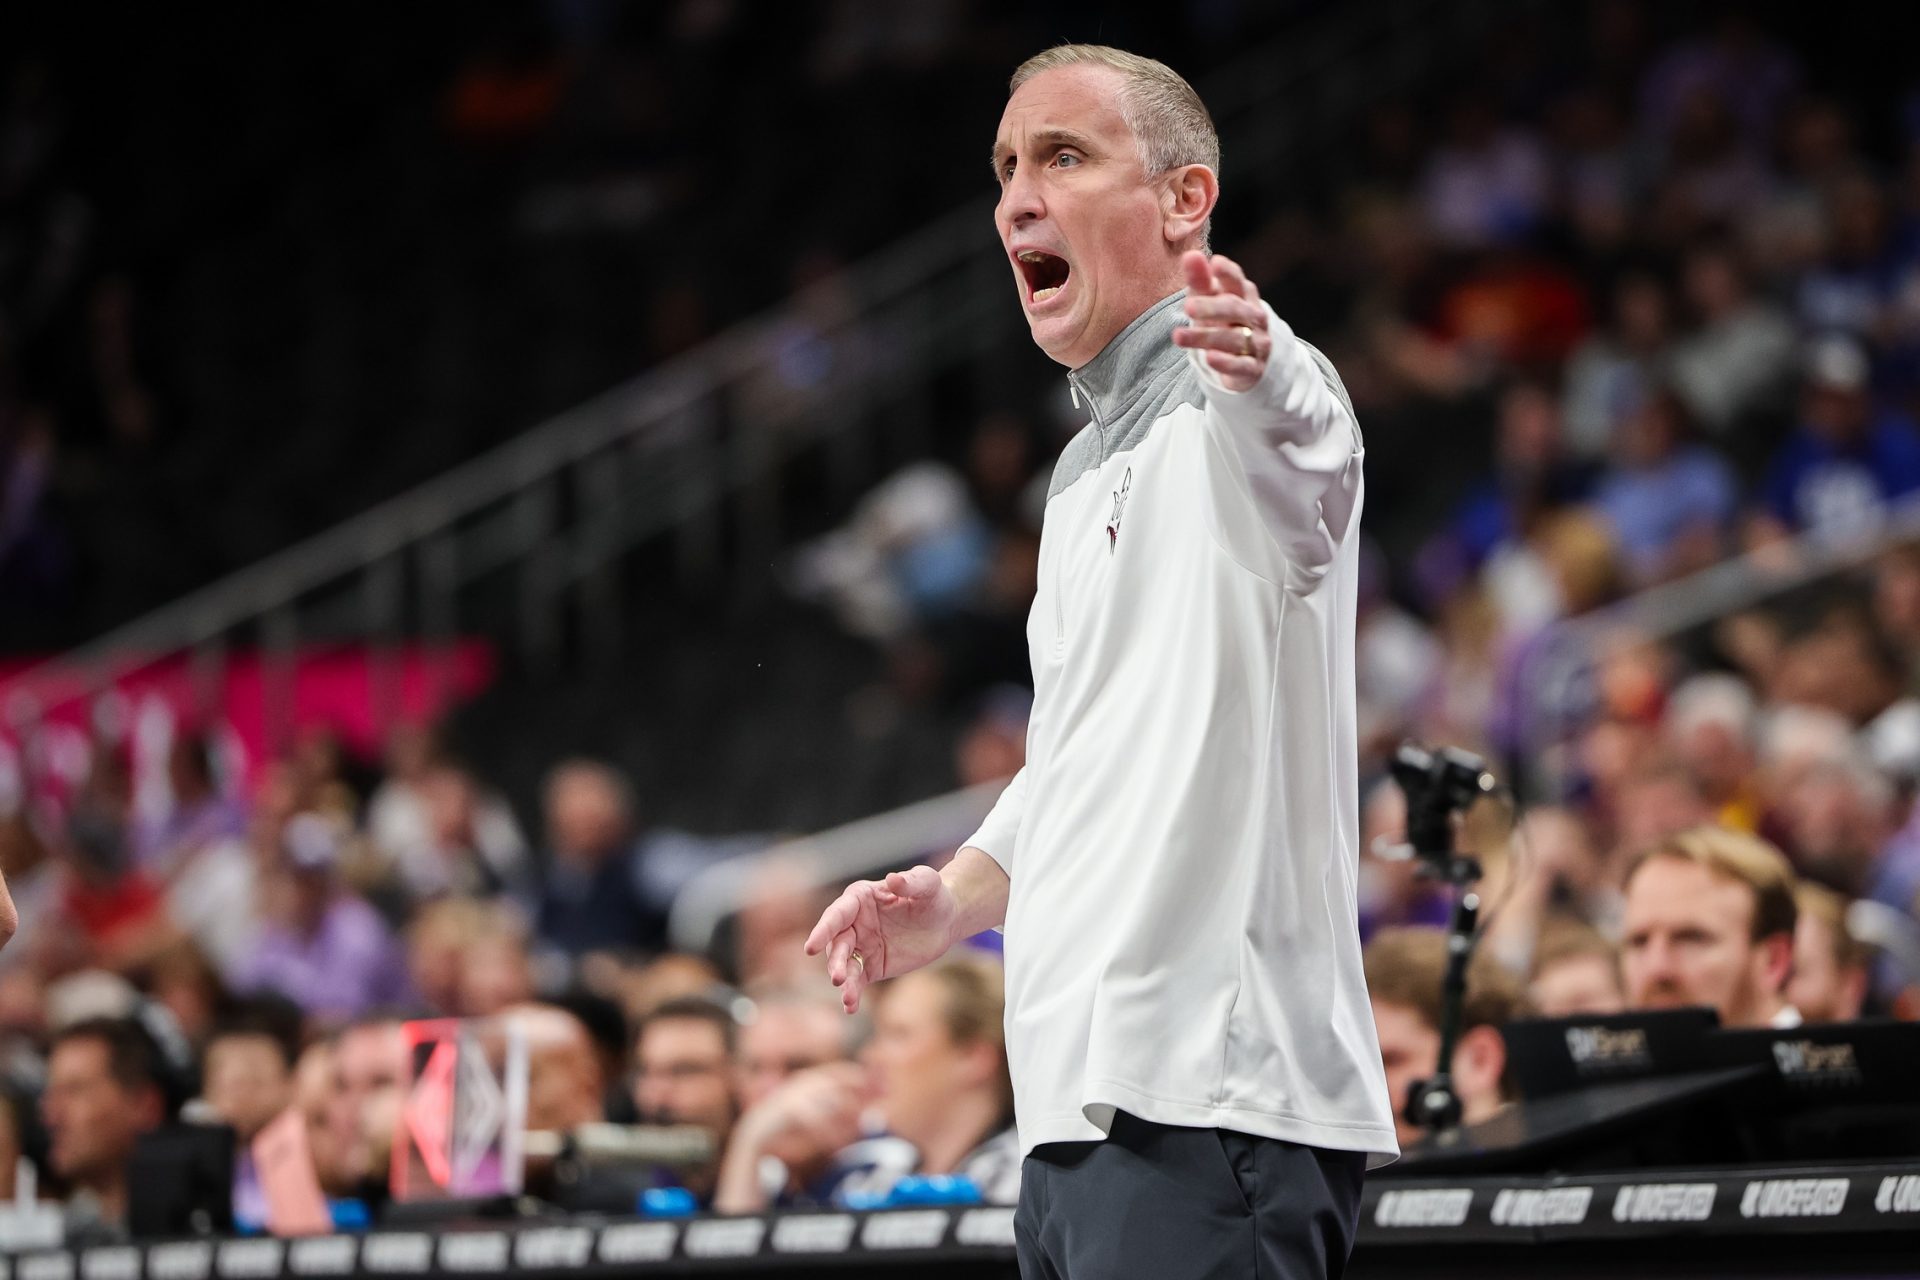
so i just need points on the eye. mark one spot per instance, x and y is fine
(1066, 159)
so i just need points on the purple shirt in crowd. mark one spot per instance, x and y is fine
(349, 965)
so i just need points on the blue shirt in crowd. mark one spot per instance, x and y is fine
(1816, 484)
(1651, 508)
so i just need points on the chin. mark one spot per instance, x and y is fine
(1058, 336)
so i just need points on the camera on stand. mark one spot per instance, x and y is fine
(1438, 785)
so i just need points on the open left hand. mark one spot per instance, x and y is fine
(1227, 320)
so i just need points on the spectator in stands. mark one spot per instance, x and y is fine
(1731, 362)
(684, 1075)
(1831, 969)
(1619, 368)
(470, 845)
(363, 1101)
(1487, 182)
(1710, 726)
(937, 1080)
(1406, 968)
(1710, 921)
(1667, 498)
(939, 1061)
(564, 1083)
(1857, 285)
(793, 1029)
(496, 971)
(103, 1092)
(397, 811)
(1576, 970)
(1846, 465)
(328, 1146)
(1835, 822)
(1532, 475)
(590, 901)
(248, 1079)
(197, 814)
(323, 946)
(436, 941)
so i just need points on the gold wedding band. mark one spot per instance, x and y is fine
(1246, 339)
(859, 959)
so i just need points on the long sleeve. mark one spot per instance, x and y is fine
(997, 834)
(1294, 443)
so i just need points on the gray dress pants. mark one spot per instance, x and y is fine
(1157, 1202)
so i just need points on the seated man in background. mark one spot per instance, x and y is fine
(934, 1098)
(1830, 967)
(103, 1092)
(365, 1096)
(1709, 921)
(1405, 969)
(1576, 971)
(793, 1029)
(685, 1075)
(248, 1080)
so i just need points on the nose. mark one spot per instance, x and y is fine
(1020, 201)
(1655, 963)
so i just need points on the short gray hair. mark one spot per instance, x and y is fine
(1169, 122)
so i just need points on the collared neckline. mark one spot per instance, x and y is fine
(1127, 365)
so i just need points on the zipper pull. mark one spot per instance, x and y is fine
(1073, 390)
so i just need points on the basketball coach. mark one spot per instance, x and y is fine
(1198, 1089)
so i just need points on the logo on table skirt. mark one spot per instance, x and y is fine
(1119, 509)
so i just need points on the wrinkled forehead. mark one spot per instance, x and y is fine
(1079, 99)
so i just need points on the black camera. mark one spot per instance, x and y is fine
(1438, 784)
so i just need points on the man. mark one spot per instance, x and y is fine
(564, 1085)
(1847, 464)
(792, 1030)
(248, 1080)
(1195, 1071)
(103, 1092)
(685, 1057)
(589, 901)
(326, 949)
(936, 1076)
(365, 1099)
(1576, 972)
(1831, 968)
(1406, 969)
(1709, 921)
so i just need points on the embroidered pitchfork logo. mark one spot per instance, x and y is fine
(1119, 509)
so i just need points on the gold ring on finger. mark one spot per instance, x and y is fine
(859, 959)
(1246, 339)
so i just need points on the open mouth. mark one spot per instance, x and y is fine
(1045, 273)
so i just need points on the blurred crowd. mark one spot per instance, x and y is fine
(239, 961)
(1635, 301)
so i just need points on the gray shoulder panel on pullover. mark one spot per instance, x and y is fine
(1137, 379)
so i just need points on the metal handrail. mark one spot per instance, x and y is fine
(636, 410)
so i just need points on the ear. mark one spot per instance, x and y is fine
(1187, 197)
(150, 1108)
(1774, 958)
(1479, 1060)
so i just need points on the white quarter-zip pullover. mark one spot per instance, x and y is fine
(1181, 931)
